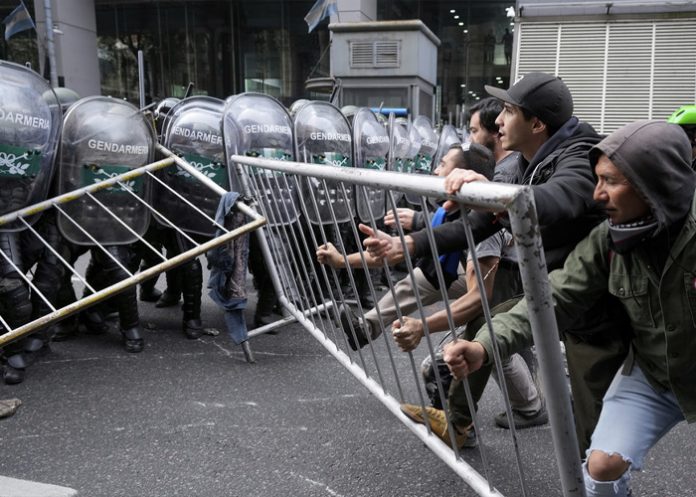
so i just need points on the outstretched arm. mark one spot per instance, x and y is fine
(329, 255)
(408, 335)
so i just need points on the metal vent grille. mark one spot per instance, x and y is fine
(386, 53)
(618, 71)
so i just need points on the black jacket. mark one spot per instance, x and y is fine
(562, 181)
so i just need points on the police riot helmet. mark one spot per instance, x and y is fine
(297, 105)
(64, 97)
(161, 111)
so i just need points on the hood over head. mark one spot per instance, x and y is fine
(655, 157)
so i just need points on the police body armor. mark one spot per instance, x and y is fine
(258, 125)
(193, 133)
(102, 138)
(323, 136)
(371, 148)
(424, 160)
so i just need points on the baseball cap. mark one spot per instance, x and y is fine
(544, 95)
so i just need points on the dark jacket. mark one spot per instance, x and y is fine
(562, 181)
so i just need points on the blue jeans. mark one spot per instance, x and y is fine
(634, 417)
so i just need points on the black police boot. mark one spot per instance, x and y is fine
(94, 322)
(148, 292)
(193, 328)
(15, 369)
(133, 340)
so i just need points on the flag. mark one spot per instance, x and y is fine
(320, 11)
(18, 20)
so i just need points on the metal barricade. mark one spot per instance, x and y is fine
(312, 294)
(121, 181)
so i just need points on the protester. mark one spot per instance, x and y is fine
(537, 121)
(644, 254)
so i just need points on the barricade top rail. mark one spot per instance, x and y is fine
(482, 195)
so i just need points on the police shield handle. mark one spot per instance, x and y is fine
(464, 357)
(380, 245)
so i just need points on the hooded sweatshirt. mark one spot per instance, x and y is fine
(654, 156)
(659, 302)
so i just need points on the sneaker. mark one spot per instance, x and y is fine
(541, 417)
(464, 437)
(348, 320)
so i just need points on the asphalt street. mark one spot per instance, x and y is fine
(192, 419)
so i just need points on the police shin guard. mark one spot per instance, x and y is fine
(192, 285)
(126, 302)
(172, 294)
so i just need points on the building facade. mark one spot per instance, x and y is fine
(229, 46)
(623, 60)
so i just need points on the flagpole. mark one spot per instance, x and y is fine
(50, 47)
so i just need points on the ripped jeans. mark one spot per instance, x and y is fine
(634, 417)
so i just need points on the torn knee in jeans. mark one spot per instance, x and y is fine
(606, 474)
(607, 466)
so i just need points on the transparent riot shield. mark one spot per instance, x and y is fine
(399, 147)
(193, 133)
(30, 122)
(448, 137)
(371, 149)
(258, 125)
(103, 137)
(415, 141)
(323, 136)
(424, 160)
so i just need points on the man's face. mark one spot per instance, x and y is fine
(514, 130)
(620, 199)
(447, 164)
(479, 134)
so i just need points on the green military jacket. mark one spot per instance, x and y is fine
(661, 307)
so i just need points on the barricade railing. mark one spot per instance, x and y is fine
(133, 278)
(312, 294)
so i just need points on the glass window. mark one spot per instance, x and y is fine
(222, 47)
(475, 49)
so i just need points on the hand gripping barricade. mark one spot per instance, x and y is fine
(371, 143)
(323, 136)
(30, 123)
(424, 160)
